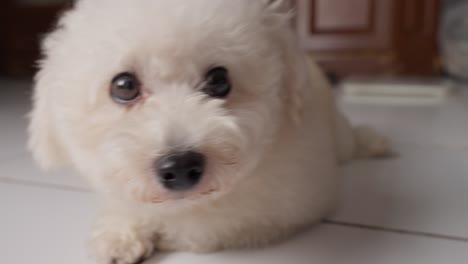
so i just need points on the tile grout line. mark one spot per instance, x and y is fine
(43, 185)
(326, 221)
(396, 231)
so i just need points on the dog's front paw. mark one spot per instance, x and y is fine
(371, 144)
(119, 247)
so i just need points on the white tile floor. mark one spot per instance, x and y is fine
(411, 209)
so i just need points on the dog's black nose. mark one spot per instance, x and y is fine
(181, 171)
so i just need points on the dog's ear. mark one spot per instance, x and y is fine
(278, 11)
(279, 14)
(44, 142)
(279, 6)
(43, 139)
(295, 82)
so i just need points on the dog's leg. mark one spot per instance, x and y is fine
(370, 143)
(119, 238)
(358, 142)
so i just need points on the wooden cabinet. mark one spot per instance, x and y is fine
(371, 36)
(3, 29)
(22, 27)
(346, 36)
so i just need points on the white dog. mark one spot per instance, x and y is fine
(198, 122)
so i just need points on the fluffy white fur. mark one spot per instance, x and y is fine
(273, 145)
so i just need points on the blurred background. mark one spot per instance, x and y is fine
(401, 67)
(348, 37)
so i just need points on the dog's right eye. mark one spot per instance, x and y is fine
(125, 88)
(217, 84)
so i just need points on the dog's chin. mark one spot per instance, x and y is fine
(198, 193)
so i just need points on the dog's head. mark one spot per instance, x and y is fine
(158, 100)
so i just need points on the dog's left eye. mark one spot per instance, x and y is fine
(217, 83)
(125, 88)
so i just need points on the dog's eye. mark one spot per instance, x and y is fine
(125, 88)
(217, 83)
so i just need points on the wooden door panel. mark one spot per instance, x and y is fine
(3, 32)
(345, 24)
(416, 31)
(23, 28)
(396, 37)
(417, 16)
(332, 16)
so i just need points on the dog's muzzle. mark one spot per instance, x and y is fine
(180, 171)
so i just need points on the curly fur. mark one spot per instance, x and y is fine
(273, 146)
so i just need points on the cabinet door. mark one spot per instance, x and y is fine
(362, 37)
(416, 36)
(3, 29)
(24, 24)
(326, 25)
